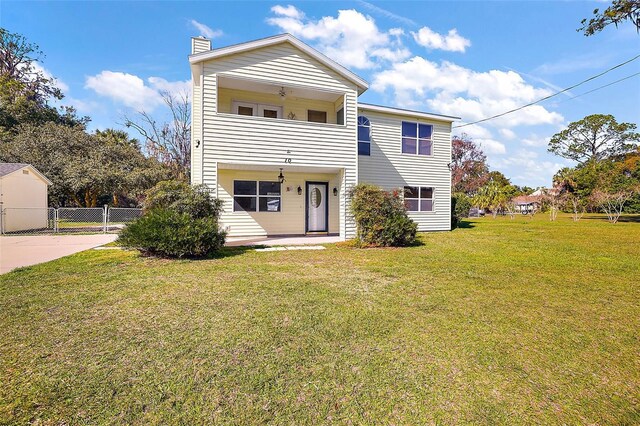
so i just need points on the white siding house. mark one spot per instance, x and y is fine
(23, 197)
(276, 108)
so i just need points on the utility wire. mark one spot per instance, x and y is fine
(550, 96)
(601, 87)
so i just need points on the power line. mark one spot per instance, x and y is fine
(601, 87)
(550, 96)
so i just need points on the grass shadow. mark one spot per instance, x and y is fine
(231, 251)
(626, 218)
(463, 224)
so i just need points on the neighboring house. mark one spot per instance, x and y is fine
(278, 134)
(527, 203)
(23, 197)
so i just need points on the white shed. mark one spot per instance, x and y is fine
(23, 197)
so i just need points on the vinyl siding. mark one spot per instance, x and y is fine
(282, 63)
(290, 220)
(229, 138)
(389, 168)
(196, 126)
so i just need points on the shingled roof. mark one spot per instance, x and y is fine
(6, 168)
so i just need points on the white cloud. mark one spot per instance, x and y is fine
(536, 141)
(131, 90)
(351, 38)
(491, 146)
(526, 168)
(506, 133)
(451, 89)
(204, 30)
(575, 63)
(47, 74)
(388, 14)
(452, 42)
(289, 11)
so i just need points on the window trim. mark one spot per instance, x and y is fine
(419, 198)
(417, 139)
(257, 196)
(258, 108)
(358, 134)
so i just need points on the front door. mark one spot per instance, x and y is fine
(317, 207)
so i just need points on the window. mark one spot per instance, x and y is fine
(418, 198)
(364, 136)
(317, 116)
(252, 196)
(257, 110)
(340, 116)
(416, 138)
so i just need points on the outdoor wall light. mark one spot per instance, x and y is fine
(197, 143)
(281, 177)
(299, 190)
(335, 191)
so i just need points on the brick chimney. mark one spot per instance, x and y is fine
(200, 44)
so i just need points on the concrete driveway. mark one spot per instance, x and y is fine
(17, 251)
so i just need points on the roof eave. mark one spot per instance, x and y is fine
(407, 112)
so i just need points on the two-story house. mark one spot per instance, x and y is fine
(278, 134)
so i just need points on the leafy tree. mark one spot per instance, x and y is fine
(25, 89)
(169, 142)
(499, 178)
(493, 196)
(83, 167)
(618, 12)
(18, 58)
(469, 170)
(594, 138)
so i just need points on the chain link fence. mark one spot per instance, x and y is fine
(34, 221)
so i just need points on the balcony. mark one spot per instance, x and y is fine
(275, 102)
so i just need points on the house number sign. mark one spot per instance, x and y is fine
(287, 160)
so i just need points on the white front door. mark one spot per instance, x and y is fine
(317, 207)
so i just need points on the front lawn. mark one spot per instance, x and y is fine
(499, 322)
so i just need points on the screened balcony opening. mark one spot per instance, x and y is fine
(279, 102)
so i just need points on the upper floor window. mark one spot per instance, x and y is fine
(364, 136)
(317, 116)
(416, 138)
(418, 198)
(257, 110)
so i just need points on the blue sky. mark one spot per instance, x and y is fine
(469, 59)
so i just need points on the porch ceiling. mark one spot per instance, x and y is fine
(274, 88)
(276, 168)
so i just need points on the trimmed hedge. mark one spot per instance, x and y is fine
(381, 217)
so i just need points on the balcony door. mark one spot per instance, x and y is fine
(257, 110)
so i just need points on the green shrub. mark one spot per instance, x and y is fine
(461, 204)
(179, 220)
(179, 196)
(381, 217)
(169, 233)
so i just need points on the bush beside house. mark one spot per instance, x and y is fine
(381, 217)
(179, 221)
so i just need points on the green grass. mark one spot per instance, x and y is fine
(499, 322)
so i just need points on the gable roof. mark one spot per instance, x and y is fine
(278, 39)
(8, 168)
